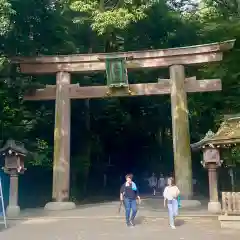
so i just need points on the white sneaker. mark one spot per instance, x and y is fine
(173, 227)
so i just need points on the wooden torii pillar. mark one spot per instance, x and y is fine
(178, 85)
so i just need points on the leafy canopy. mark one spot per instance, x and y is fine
(105, 15)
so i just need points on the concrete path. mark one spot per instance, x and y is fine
(110, 228)
(102, 221)
(151, 207)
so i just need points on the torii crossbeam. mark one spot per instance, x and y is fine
(75, 91)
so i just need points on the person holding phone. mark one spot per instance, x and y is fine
(129, 195)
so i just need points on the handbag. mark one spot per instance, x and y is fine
(179, 202)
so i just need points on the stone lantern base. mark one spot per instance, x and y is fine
(58, 206)
(214, 207)
(13, 211)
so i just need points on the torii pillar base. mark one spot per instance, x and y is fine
(58, 206)
(13, 211)
(214, 207)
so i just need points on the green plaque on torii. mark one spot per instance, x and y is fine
(116, 72)
(117, 77)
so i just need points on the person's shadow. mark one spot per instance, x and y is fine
(179, 222)
(140, 220)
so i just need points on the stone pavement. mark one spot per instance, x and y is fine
(115, 228)
(102, 221)
(151, 207)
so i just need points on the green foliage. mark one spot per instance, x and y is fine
(235, 154)
(114, 126)
(6, 12)
(42, 154)
(105, 16)
(232, 156)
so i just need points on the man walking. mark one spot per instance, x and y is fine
(153, 183)
(129, 194)
(161, 184)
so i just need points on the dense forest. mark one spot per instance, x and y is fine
(111, 136)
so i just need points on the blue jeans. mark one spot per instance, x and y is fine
(172, 210)
(130, 204)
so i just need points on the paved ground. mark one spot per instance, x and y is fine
(151, 207)
(102, 221)
(113, 228)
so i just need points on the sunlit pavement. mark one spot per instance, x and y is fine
(90, 229)
(102, 221)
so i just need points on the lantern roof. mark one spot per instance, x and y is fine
(15, 146)
(227, 135)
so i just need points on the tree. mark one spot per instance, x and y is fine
(106, 15)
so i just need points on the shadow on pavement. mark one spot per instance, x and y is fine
(10, 224)
(140, 220)
(179, 222)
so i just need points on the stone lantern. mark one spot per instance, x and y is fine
(228, 135)
(13, 154)
(211, 161)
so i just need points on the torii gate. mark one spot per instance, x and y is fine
(177, 86)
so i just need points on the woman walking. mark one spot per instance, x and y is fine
(170, 194)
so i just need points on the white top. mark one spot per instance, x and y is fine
(152, 181)
(171, 192)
